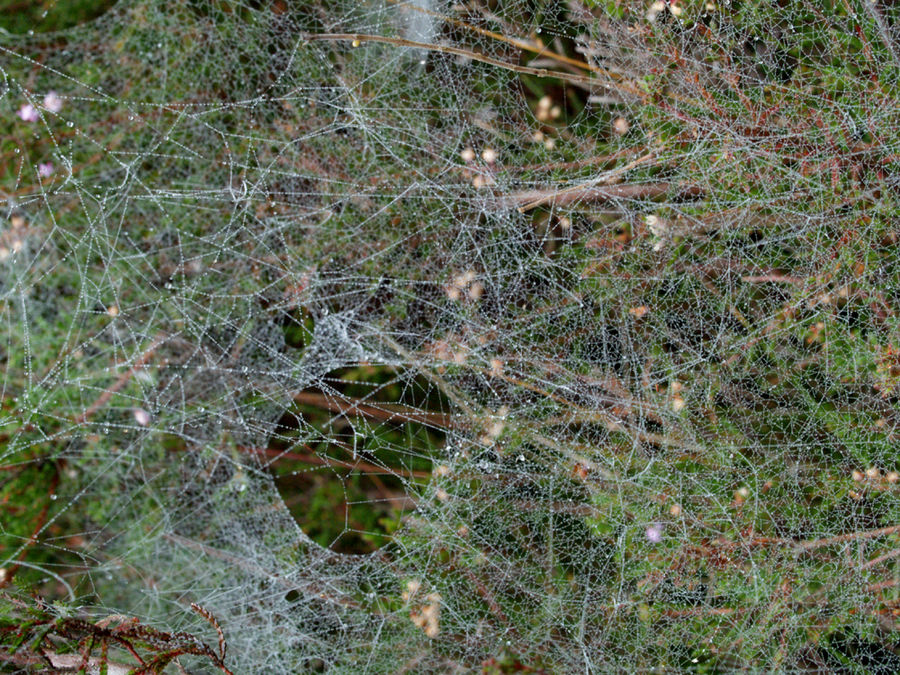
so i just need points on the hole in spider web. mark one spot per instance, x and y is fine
(353, 456)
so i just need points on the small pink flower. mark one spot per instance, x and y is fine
(53, 102)
(654, 533)
(28, 113)
(45, 169)
(141, 416)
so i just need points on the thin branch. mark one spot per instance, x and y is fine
(6, 579)
(524, 200)
(450, 392)
(536, 48)
(584, 81)
(880, 559)
(852, 536)
(882, 585)
(379, 411)
(883, 31)
(773, 278)
(121, 382)
(312, 458)
(604, 179)
(206, 614)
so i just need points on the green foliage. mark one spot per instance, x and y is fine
(41, 16)
(568, 343)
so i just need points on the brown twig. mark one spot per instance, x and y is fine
(584, 81)
(383, 412)
(206, 614)
(524, 200)
(537, 48)
(121, 382)
(773, 278)
(702, 611)
(6, 579)
(880, 559)
(881, 585)
(852, 536)
(312, 458)
(483, 591)
(605, 179)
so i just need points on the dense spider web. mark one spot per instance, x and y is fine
(581, 315)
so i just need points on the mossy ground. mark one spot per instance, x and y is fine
(749, 343)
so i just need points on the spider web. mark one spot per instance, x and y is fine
(433, 337)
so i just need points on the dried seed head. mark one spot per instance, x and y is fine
(482, 181)
(53, 102)
(656, 224)
(639, 312)
(496, 367)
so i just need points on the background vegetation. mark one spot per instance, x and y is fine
(407, 337)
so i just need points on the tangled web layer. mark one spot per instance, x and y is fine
(581, 315)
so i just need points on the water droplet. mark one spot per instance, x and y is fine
(70, 124)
